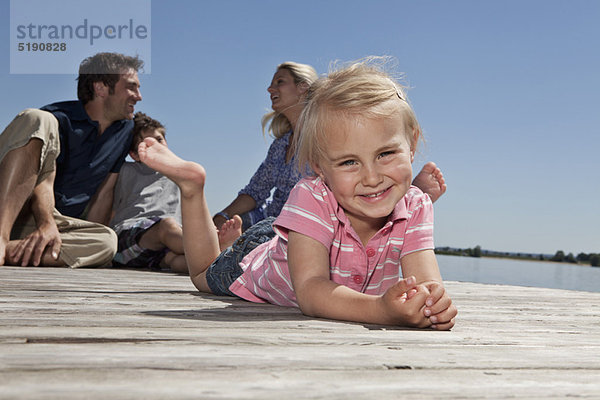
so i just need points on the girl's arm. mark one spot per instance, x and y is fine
(318, 296)
(439, 308)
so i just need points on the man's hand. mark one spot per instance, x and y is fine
(29, 251)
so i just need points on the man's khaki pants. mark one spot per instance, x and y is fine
(84, 243)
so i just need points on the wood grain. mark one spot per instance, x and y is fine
(126, 334)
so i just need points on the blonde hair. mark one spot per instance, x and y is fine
(277, 122)
(363, 89)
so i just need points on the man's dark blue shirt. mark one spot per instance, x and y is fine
(86, 158)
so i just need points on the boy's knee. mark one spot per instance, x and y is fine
(169, 225)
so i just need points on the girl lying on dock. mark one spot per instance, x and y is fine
(338, 245)
(270, 186)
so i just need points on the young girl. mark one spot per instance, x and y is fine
(343, 234)
(278, 172)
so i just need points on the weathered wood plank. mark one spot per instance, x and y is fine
(122, 334)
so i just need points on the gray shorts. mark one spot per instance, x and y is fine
(129, 252)
(226, 267)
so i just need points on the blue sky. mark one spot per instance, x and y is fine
(507, 93)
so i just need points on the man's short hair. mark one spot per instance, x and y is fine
(106, 68)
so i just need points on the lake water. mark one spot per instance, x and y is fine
(520, 273)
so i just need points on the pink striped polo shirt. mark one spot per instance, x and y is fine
(312, 210)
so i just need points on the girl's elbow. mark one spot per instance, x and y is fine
(310, 312)
(307, 308)
(310, 296)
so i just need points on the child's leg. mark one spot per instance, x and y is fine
(176, 262)
(165, 233)
(200, 239)
(230, 231)
(431, 181)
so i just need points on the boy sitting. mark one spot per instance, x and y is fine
(146, 212)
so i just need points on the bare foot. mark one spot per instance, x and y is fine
(189, 176)
(431, 181)
(229, 232)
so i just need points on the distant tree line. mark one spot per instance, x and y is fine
(582, 258)
(452, 251)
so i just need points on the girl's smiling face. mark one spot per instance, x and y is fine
(367, 164)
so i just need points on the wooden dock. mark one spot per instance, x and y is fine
(123, 334)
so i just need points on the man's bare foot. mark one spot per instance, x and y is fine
(229, 232)
(188, 175)
(431, 181)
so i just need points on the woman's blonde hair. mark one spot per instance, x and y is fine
(277, 123)
(362, 88)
